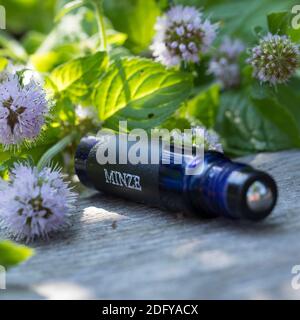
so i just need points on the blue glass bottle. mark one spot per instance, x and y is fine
(223, 188)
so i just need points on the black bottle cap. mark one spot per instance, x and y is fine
(251, 194)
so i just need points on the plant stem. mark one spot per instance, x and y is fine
(55, 150)
(100, 21)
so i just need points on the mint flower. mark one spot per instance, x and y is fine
(224, 65)
(182, 35)
(34, 203)
(208, 137)
(213, 141)
(275, 59)
(22, 110)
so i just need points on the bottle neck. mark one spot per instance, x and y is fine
(203, 193)
(208, 191)
(232, 189)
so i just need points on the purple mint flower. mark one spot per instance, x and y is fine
(224, 65)
(232, 48)
(182, 35)
(35, 203)
(22, 110)
(210, 138)
(275, 59)
(213, 142)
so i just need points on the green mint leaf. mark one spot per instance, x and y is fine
(238, 16)
(283, 108)
(204, 106)
(23, 16)
(278, 22)
(3, 63)
(136, 18)
(140, 91)
(280, 117)
(77, 77)
(282, 23)
(12, 254)
(247, 127)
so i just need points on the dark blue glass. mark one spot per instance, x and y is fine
(223, 188)
(206, 192)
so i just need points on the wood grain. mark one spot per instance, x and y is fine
(121, 250)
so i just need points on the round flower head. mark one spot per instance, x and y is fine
(275, 59)
(198, 135)
(35, 203)
(22, 110)
(212, 141)
(224, 65)
(181, 35)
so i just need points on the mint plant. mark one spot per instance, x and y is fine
(230, 66)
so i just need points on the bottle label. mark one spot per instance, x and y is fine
(138, 182)
(123, 179)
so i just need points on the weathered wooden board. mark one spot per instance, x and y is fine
(118, 249)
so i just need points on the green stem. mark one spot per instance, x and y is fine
(100, 21)
(55, 150)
